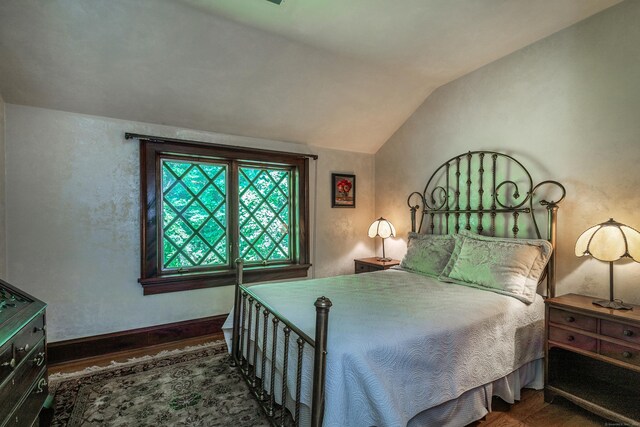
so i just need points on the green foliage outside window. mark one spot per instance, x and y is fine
(195, 215)
(264, 214)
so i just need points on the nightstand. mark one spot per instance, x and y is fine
(364, 265)
(592, 357)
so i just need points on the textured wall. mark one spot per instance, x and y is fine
(341, 233)
(3, 229)
(73, 220)
(569, 108)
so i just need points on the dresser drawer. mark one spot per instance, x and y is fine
(575, 320)
(573, 339)
(619, 352)
(12, 359)
(28, 337)
(27, 412)
(18, 382)
(7, 362)
(620, 331)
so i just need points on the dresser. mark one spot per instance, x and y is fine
(364, 265)
(593, 357)
(23, 357)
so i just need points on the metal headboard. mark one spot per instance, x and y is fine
(482, 190)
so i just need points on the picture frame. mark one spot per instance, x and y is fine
(343, 190)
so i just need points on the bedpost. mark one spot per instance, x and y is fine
(552, 227)
(235, 344)
(323, 305)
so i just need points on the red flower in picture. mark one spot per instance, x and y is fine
(343, 191)
(344, 186)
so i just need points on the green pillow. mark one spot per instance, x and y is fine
(428, 253)
(508, 266)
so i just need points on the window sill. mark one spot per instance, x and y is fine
(188, 281)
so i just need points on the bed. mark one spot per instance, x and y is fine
(428, 343)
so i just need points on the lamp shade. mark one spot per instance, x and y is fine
(382, 228)
(609, 241)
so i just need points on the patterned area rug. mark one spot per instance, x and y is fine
(191, 387)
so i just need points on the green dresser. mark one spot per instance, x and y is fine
(23, 357)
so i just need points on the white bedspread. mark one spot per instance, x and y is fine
(400, 343)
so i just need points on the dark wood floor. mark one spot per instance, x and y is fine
(531, 411)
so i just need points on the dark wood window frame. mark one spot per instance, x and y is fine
(152, 150)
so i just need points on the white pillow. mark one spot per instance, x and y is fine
(507, 266)
(428, 253)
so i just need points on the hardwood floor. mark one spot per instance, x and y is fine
(531, 411)
(123, 356)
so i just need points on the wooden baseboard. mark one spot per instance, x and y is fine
(98, 345)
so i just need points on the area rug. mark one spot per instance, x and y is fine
(192, 387)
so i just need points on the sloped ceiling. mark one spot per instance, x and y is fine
(334, 73)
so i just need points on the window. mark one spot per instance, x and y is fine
(204, 205)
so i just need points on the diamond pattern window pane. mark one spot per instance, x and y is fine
(194, 223)
(264, 204)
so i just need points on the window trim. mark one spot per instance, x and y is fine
(152, 149)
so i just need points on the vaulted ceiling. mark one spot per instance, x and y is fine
(340, 74)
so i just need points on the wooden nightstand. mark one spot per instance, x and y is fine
(364, 265)
(592, 357)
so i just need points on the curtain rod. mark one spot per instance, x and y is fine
(161, 139)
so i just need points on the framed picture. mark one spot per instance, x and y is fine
(343, 190)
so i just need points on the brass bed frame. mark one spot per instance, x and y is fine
(468, 191)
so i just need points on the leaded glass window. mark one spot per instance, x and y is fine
(206, 205)
(194, 221)
(264, 214)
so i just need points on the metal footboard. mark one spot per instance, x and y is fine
(251, 317)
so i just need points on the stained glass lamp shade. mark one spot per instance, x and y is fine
(610, 241)
(382, 228)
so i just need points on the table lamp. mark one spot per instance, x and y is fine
(382, 228)
(610, 241)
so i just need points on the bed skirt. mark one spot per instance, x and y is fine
(476, 403)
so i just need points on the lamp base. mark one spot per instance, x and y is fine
(384, 259)
(615, 304)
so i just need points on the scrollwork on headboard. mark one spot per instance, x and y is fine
(485, 191)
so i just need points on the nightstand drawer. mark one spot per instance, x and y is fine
(575, 320)
(620, 331)
(365, 265)
(593, 357)
(363, 268)
(619, 352)
(573, 339)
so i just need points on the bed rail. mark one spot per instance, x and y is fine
(246, 330)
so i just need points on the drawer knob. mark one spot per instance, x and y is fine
(571, 338)
(627, 333)
(570, 319)
(37, 329)
(42, 384)
(627, 355)
(39, 359)
(11, 363)
(25, 348)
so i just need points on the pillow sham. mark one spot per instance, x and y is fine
(507, 266)
(428, 253)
